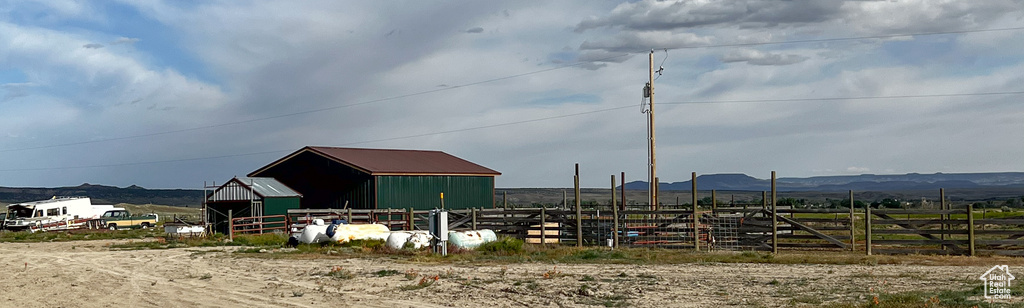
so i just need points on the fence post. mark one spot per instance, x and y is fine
(504, 200)
(696, 220)
(412, 219)
(714, 202)
(853, 238)
(579, 210)
(943, 217)
(349, 215)
(473, 210)
(622, 189)
(543, 227)
(867, 229)
(231, 226)
(775, 219)
(615, 217)
(970, 227)
(764, 200)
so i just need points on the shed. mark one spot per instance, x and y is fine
(332, 177)
(249, 197)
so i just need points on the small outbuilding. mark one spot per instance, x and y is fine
(249, 197)
(332, 177)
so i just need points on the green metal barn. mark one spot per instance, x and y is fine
(331, 177)
(249, 197)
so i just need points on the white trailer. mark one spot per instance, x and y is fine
(59, 213)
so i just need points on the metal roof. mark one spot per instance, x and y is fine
(268, 187)
(239, 188)
(394, 162)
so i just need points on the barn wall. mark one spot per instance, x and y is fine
(322, 182)
(217, 213)
(423, 192)
(279, 206)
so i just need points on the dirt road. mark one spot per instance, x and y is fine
(89, 274)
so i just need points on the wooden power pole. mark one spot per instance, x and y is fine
(652, 189)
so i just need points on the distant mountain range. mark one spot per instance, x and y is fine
(863, 182)
(101, 194)
(106, 195)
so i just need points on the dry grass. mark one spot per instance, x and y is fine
(166, 212)
(602, 255)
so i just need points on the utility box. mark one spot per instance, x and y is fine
(439, 229)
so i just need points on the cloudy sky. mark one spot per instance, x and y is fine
(168, 94)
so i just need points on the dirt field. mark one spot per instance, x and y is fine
(89, 274)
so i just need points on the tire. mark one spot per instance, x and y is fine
(331, 230)
(112, 227)
(145, 225)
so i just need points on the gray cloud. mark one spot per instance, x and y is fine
(92, 46)
(650, 15)
(276, 58)
(15, 90)
(603, 56)
(860, 16)
(755, 57)
(645, 41)
(124, 40)
(475, 30)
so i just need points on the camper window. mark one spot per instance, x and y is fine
(64, 210)
(39, 213)
(52, 212)
(19, 212)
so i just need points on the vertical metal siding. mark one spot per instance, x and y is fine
(279, 206)
(359, 196)
(423, 192)
(232, 191)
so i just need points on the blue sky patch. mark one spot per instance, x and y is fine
(12, 76)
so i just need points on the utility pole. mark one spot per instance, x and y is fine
(652, 190)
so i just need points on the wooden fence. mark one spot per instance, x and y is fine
(886, 231)
(949, 231)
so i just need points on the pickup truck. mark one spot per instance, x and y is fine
(121, 218)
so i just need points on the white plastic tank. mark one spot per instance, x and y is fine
(314, 233)
(345, 233)
(471, 239)
(418, 239)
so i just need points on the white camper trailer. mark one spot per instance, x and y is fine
(59, 213)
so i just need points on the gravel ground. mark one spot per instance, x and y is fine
(89, 274)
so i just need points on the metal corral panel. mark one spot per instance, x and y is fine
(423, 192)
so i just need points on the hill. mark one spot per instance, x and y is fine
(864, 182)
(101, 194)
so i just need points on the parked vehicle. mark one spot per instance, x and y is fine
(59, 213)
(119, 218)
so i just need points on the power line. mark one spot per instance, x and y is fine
(851, 38)
(845, 98)
(295, 114)
(495, 80)
(534, 120)
(148, 162)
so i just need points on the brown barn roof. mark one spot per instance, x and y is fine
(394, 162)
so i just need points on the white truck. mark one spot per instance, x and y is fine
(58, 213)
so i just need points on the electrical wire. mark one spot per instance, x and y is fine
(661, 67)
(845, 98)
(528, 121)
(604, 59)
(851, 38)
